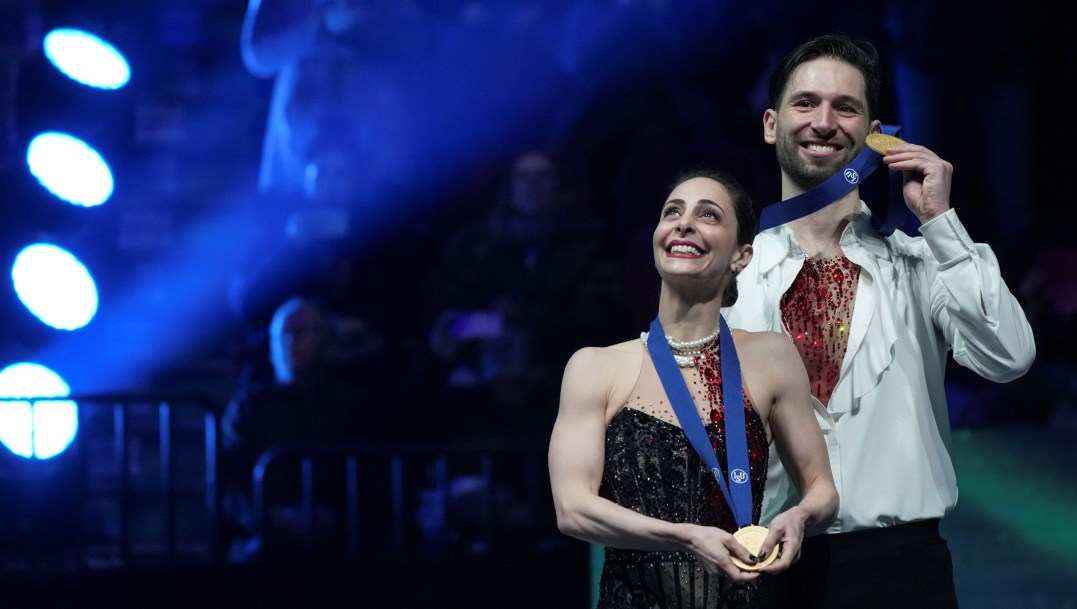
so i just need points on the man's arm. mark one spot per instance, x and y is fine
(982, 321)
(974, 309)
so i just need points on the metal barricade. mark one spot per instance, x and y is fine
(405, 499)
(136, 486)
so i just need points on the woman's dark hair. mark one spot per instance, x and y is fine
(743, 209)
(861, 54)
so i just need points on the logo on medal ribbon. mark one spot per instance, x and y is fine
(739, 476)
(851, 176)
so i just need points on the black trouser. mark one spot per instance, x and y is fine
(897, 567)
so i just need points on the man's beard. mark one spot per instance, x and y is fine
(807, 173)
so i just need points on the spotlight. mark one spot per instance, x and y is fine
(40, 429)
(69, 168)
(86, 58)
(55, 286)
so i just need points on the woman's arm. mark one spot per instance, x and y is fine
(802, 450)
(576, 457)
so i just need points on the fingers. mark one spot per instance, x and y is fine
(739, 574)
(721, 561)
(741, 553)
(784, 561)
(783, 539)
(788, 554)
(926, 179)
(744, 568)
(770, 544)
(910, 157)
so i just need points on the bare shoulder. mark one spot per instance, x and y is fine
(763, 347)
(770, 357)
(612, 356)
(608, 372)
(772, 368)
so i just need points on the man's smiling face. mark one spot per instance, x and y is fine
(821, 123)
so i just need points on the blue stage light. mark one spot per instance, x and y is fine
(55, 286)
(69, 168)
(40, 429)
(86, 59)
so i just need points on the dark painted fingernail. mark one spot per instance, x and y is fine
(752, 556)
(763, 555)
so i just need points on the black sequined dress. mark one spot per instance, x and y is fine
(652, 468)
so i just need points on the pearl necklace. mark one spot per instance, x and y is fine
(685, 353)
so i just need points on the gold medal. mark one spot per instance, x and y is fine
(752, 537)
(880, 141)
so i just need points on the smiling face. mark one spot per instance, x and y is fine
(821, 121)
(696, 236)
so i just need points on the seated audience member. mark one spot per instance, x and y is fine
(308, 244)
(515, 292)
(311, 403)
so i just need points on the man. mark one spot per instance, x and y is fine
(873, 316)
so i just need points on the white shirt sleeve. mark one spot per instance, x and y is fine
(977, 314)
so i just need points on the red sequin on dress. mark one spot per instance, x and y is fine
(816, 311)
(651, 468)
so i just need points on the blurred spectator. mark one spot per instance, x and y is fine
(312, 401)
(516, 290)
(309, 245)
(346, 67)
(514, 293)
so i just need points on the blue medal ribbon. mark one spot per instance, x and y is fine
(738, 489)
(837, 186)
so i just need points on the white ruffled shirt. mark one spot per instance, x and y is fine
(887, 426)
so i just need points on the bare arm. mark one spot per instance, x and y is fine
(576, 457)
(802, 450)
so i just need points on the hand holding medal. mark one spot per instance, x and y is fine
(879, 142)
(737, 489)
(752, 537)
(886, 220)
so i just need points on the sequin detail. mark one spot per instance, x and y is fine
(652, 468)
(816, 311)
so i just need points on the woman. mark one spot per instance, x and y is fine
(625, 475)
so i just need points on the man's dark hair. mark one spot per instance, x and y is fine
(859, 53)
